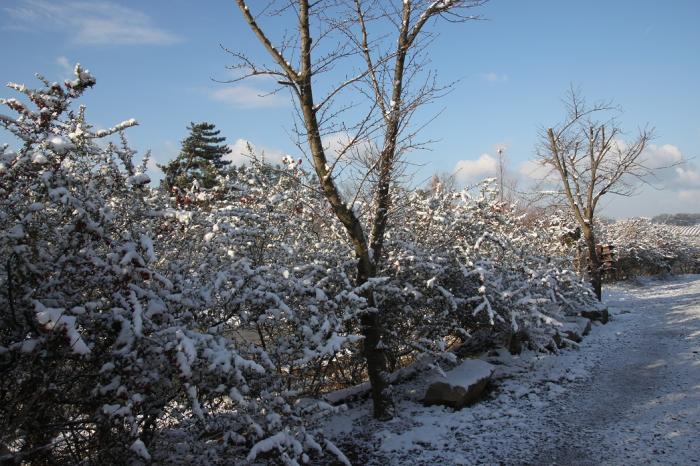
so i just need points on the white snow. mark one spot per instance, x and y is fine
(60, 144)
(147, 244)
(139, 448)
(467, 373)
(186, 354)
(39, 158)
(276, 441)
(29, 345)
(54, 319)
(138, 179)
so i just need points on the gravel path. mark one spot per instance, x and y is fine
(642, 403)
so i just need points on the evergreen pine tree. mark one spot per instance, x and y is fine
(201, 158)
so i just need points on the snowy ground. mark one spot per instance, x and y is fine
(629, 396)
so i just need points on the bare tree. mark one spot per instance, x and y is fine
(381, 69)
(591, 159)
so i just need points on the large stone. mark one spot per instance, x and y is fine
(460, 386)
(584, 325)
(601, 315)
(576, 328)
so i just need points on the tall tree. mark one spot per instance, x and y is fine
(201, 158)
(590, 159)
(380, 44)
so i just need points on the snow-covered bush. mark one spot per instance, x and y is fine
(263, 268)
(78, 294)
(139, 328)
(460, 262)
(643, 247)
(105, 344)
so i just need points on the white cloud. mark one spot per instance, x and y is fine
(494, 77)
(688, 175)
(240, 155)
(152, 164)
(678, 184)
(64, 63)
(335, 143)
(470, 171)
(671, 169)
(248, 97)
(154, 170)
(662, 156)
(90, 22)
(167, 152)
(532, 170)
(65, 66)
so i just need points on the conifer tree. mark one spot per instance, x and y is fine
(200, 159)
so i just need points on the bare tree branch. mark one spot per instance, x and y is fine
(592, 161)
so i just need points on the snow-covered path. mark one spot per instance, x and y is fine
(630, 396)
(642, 403)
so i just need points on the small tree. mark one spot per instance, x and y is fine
(590, 160)
(382, 69)
(201, 158)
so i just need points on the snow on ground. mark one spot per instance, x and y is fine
(630, 395)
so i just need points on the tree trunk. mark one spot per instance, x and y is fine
(595, 268)
(370, 323)
(375, 357)
(376, 366)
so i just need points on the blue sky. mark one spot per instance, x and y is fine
(154, 61)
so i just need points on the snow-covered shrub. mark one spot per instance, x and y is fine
(263, 268)
(77, 291)
(106, 341)
(138, 328)
(459, 263)
(646, 248)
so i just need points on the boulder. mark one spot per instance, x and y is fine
(584, 325)
(576, 328)
(460, 386)
(601, 315)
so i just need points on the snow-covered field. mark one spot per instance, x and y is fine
(630, 395)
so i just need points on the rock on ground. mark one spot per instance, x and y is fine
(460, 386)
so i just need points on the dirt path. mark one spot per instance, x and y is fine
(642, 403)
